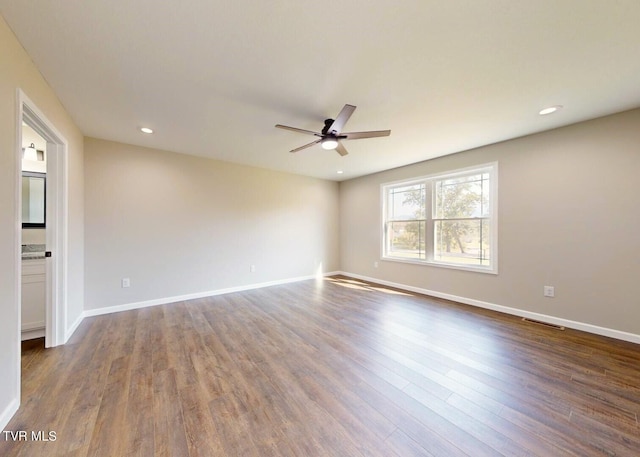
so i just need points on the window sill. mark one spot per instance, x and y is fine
(449, 266)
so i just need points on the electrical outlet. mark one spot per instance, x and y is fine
(126, 282)
(252, 268)
(375, 264)
(549, 291)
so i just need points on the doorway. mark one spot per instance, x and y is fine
(33, 245)
(55, 151)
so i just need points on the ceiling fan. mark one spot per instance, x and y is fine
(331, 134)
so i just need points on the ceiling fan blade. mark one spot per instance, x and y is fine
(372, 134)
(342, 119)
(340, 149)
(306, 146)
(295, 129)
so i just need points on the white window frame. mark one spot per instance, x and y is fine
(429, 182)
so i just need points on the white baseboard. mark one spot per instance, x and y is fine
(8, 413)
(612, 333)
(73, 327)
(210, 293)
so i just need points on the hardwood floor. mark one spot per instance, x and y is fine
(330, 368)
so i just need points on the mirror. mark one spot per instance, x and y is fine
(33, 199)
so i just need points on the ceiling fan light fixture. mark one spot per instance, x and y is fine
(329, 143)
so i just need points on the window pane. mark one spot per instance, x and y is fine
(462, 241)
(406, 202)
(406, 239)
(461, 197)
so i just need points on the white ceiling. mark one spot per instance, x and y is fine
(212, 78)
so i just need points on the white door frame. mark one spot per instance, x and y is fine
(57, 210)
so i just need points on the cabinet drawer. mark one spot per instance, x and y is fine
(33, 267)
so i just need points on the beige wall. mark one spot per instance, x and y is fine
(569, 216)
(179, 225)
(18, 72)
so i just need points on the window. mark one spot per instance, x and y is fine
(446, 220)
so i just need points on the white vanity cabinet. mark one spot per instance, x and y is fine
(33, 298)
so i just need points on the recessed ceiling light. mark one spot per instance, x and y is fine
(146, 130)
(550, 109)
(340, 172)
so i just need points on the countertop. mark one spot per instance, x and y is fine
(33, 251)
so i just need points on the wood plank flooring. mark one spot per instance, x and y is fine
(335, 367)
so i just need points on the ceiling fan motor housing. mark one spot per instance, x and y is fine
(327, 124)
